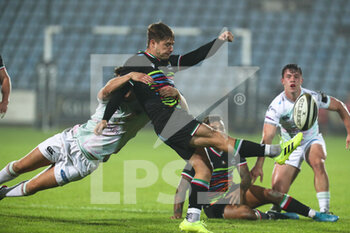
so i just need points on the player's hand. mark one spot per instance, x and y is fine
(226, 36)
(177, 211)
(141, 77)
(3, 109)
(176, 216)
(168, 91)
(234, 197)
(348, 142)
(256, 172)
(100, 127)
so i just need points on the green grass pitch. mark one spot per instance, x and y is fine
(71, 208)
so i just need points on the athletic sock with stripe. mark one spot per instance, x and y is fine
(247, 149)
(290, 204)
(199, 189)
(7, 173)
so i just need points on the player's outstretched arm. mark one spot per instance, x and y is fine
(5, 82)
(180, 197)
(115, 90)
(118, 82)
(269, 132)
(339, 106)
(194, 57)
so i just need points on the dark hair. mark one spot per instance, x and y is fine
(212, 118)
(159, 31)
(292, 67)
(118, 70)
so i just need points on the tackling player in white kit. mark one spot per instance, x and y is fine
(312, 148)
(76, 152)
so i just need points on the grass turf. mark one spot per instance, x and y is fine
(71, 208)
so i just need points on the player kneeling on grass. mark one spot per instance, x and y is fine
(76, 152)
(237, 201)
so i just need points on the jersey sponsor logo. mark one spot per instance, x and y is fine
(64, 176)
(50, 150)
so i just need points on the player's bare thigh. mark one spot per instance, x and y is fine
(34, 160)
(316, 155)
(201, 164)
(206, 136)
(257, 196)
(239, 212)
(283, 176)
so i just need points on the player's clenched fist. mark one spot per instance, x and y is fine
(226, 36)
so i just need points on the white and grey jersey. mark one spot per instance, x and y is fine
(280, 114)
(123, 126)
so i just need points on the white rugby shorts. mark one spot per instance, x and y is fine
(298, 155)
(70, 163)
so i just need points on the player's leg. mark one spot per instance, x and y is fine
(233, 212)
(240, 212)
(199, 187)
(282, 178)
(257, 196)
(316, 157)
(44, 180)
(205, 136)
(30, 162)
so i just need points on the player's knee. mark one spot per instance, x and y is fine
(318, 165)
(17, 167)
(272, 194)
(246, 212)
(279, 186)
(31, 187)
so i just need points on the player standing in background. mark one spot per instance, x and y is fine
(312, 149)
(5, 83)
(77, 151)
(224, 193)
(174, 125)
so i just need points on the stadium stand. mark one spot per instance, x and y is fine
(313, 35)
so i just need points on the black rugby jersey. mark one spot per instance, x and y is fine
(223, 167)
(162, 71)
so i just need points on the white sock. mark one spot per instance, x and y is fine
(7, 173)
(312, 213)
(272, 150)
(323, 200)
(17, 190)
(193, 214)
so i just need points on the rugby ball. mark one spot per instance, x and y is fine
(305, 112)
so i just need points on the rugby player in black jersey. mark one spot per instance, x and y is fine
(175, 126)
(5, 83)
(237, 201)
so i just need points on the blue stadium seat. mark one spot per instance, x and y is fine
(308, 37)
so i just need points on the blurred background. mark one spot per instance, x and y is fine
(47, 46)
